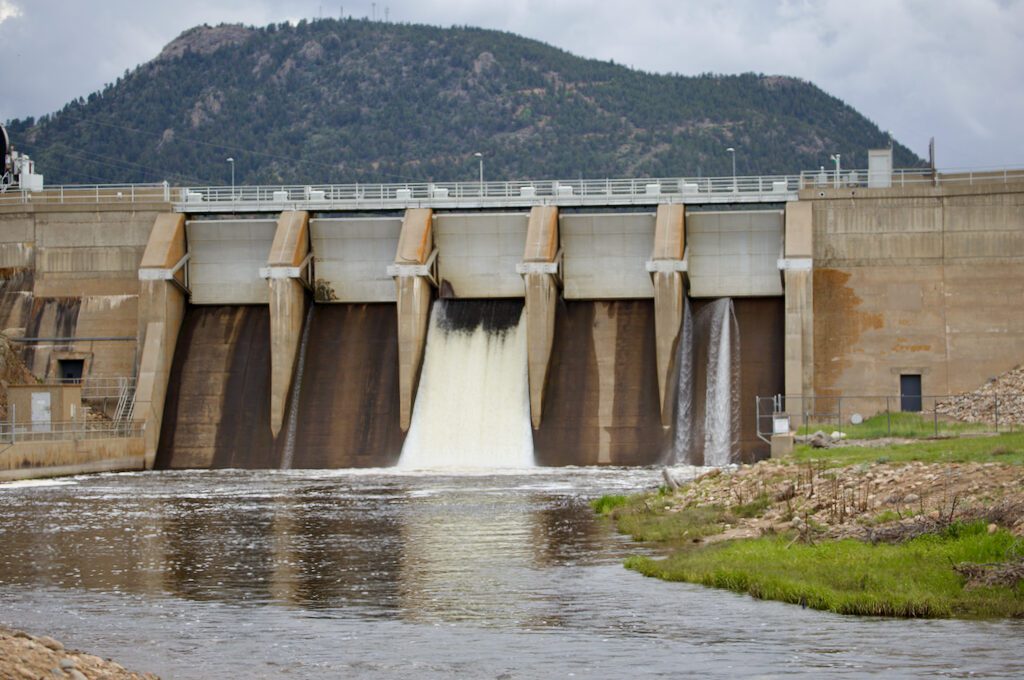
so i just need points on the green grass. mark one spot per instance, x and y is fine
(913, 579)
(1003, 448)
(646, 519)
(605, 504)
(899, 424)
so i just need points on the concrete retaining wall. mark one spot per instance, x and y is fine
(30, 460)
(922, 281)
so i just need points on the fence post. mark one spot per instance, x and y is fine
(888, 418)
(839, 413)
(997, 412)
(935, 416)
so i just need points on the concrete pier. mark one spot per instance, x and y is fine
(666, 257)
(799, 301)
(540, 276)
(414, 290)
(161, 309)
(285, 270)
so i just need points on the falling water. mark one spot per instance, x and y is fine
(473, 405)
(291, 426)
(721, 404)
(707, 403)
(683, 440)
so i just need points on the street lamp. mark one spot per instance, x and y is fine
(480, 157)
(231, 162)
(732, 151)
(835, 157)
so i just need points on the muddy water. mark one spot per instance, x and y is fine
(376, 574)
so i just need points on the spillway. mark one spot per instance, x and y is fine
(472, 409)
(601, 406)
(217, 412)
(347, 411)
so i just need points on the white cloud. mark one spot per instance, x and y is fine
(948, 68)
(8, 10)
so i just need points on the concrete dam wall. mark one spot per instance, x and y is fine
(303, 339)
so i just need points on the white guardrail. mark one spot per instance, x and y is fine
(11, 433)
(579, 191)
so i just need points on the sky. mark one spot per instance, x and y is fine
(949, 69)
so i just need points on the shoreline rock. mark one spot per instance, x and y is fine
(27, 657)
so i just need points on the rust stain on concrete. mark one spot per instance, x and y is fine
(839, 323)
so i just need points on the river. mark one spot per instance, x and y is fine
(394, 574)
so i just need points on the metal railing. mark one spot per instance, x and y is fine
(825, 179)
(643, 190)
(568, 191)
(81, 194)
(870, 417)
(12, 433)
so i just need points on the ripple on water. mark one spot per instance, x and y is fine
(383, 573)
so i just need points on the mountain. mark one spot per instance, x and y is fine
(356, 100)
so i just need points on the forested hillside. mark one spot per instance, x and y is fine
(355, 100)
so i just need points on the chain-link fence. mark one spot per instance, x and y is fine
(905, 416)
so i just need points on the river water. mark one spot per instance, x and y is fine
(385, 574)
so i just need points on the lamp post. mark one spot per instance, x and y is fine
(480, 157)
(835, 157)
(732, 152)
(231, 162)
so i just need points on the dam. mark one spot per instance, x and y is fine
(588, 322)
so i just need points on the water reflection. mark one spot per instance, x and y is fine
(265, 574)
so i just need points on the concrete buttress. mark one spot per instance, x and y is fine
(288, 301)
(161, 310)
(541, 301)
(799, 301)
(414, 292)
(669, 289)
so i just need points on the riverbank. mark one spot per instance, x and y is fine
(24, 656)
(923, 529)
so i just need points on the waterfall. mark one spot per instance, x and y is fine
(472, 409)
(721, 403)
(291, 424)
(707, 398)
(683, 440)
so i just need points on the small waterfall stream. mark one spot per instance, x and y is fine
(291, 424)
(472, 409)
(707, 400)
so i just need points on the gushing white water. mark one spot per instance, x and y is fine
(291, 425)
(721, 410)
(473, 405)
(707, 400)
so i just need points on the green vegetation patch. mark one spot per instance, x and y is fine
(1003, 448)
(648, 518)
(912, 579)
(900, 424)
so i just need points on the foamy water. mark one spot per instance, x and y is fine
(472, 409)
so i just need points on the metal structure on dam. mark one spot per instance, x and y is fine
(270, 326)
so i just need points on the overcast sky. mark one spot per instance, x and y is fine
(952, 69)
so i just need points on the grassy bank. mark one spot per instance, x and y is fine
(843, 534)
(913, 579)
(1003, 448)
